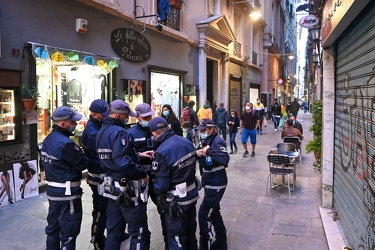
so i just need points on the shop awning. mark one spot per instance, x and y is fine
(63, 55)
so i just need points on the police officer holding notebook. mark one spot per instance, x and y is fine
(63, 162)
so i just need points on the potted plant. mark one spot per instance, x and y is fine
(29, 97)
(176, 4)
(315, 145)
(187, 93)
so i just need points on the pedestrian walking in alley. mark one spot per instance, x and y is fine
(126, 182)
(205, 111)
(169, 115)
(174, 166)
(294, 107)
(233, 123)
(213, 160)
(276, 113)
(259, 108)
(63, 162)
(249, 122)
(221, 119)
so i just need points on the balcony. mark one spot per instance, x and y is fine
(269, 42)
(237, 49)
(173, 19)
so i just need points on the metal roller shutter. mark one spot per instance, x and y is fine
(354, 148)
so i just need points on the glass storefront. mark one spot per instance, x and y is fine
(70, 78)
(7, 131)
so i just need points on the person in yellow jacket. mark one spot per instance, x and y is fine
(205, 111)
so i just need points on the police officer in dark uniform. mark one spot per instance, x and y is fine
(125, 182)
(99, 110)
(174, 165)
(141, 139)
(213, 160)
(63, 162)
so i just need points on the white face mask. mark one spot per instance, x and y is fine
(203, 136)
(232, 115)
(247, 107)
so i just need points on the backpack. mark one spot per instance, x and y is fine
(185, 116)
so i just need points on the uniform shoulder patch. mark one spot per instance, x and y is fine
(76, 147)
(155, 166)
(123, 142)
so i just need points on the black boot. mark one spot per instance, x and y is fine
(219, 246)
(204, 245)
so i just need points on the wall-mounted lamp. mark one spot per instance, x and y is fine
(290, 56)
(255, 14)
(316, 58)
(315, 34)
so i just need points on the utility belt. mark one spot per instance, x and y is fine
(67, 185)
(166, 203)
(96, 180)
(213, 169)
(215, 187)
(130, 190)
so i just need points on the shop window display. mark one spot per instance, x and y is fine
(165, 89)
(7, 131)
(70, 84)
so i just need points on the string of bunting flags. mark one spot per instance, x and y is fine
(68, 55)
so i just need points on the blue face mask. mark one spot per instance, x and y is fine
(72, 128)
(144, 123)
(126, 121)
(166, 113)
(203, 136)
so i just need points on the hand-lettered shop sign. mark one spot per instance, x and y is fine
(130, 45)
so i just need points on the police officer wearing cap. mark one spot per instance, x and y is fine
(125, 180)
(213, 160)
(63, 162)
(99, 110)
(174, 165)
(141, 138)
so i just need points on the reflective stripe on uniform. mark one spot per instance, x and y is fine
(64, 184)
(187, 202)
(66, 198)
(48, 156)
(213, 169)
(184, 158)
(189, 188)
(215, 187)
(104, 150)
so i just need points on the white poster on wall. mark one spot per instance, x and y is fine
(25, 179)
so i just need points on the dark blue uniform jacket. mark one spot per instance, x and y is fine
(141, 138)
(220, 157)
(117, 156)
(89, 145)
(63, 160)
(175, 161)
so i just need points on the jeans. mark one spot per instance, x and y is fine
(276, 121)
(232, 140)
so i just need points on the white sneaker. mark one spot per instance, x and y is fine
(275, 129)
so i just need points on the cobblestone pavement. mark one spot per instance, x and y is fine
(253, 220)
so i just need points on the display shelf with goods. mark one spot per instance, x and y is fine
(7, 112)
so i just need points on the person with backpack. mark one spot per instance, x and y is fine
(188, 114)
(249, 123)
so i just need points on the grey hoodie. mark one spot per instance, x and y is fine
(220, 116)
